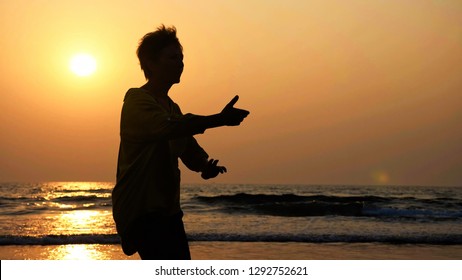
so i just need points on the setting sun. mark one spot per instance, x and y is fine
(83, 64)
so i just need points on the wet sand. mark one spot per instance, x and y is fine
(245, 251)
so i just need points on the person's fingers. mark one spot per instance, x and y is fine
(244, 113)
(232, 102)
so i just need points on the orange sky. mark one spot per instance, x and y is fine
(340, 92)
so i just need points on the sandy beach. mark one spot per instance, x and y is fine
(245, 251)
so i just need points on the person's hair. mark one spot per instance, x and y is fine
(153, 43)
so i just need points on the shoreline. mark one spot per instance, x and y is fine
(215, 250)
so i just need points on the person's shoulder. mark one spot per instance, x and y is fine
(137, 94)
(137, 90)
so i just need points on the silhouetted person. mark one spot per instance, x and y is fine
(154, 134)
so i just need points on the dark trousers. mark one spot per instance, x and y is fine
(161, 238)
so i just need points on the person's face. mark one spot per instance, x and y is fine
(169, 65)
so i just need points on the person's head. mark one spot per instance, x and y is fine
(161, 55)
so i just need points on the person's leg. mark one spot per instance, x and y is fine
(164, 239)
(180, 240)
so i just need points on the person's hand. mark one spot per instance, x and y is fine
(211, 169)
(233, 116)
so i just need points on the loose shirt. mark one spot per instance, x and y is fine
(152, 139)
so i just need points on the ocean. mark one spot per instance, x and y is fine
(62, 213)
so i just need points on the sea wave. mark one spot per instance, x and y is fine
(79, 199)
(454, 239)
(292, 205)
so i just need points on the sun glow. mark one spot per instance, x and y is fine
(83, 64)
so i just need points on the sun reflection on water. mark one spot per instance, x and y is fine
(78, 221)
(77, 252)
(85, 252)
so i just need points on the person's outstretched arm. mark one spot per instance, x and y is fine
(143, 119)
(229, 116)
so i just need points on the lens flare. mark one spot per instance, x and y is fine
(381, 177)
